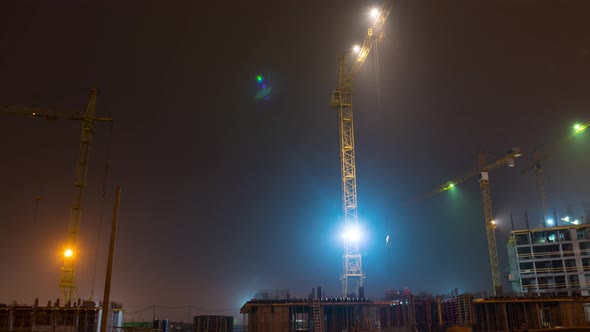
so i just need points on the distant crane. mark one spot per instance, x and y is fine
(352, 276)
(67, 283)
(484, 183)
(537, 166)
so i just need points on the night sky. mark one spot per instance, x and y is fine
(223, 194)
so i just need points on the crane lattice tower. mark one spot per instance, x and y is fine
(352, 275)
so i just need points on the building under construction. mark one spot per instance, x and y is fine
(553, 260)
(213, 323)
(416, 313)
(82, 316)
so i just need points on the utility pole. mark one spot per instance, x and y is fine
(107, 284)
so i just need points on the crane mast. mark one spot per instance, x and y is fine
(352, 276)
(484, 184)
(67, 283)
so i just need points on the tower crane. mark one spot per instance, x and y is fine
(537, 165)
(67, 283)
(341, 99)
(484, 184)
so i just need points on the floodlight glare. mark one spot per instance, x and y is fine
(352, 234)
(356, 48)
(576, 222)
(68, 253)
(355, 235)
(374, 12)
(567, 219)
(550, 222)
(448, 186)
(578, 128)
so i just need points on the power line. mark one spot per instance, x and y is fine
(182, 307)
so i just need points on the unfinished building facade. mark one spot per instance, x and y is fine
(406, 313)
(416, 314)
(553, 260)
(80, 317)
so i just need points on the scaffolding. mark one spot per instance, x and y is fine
(509, 314)
(409, 313)
(80, 317)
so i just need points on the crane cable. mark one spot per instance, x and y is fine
(378, 79)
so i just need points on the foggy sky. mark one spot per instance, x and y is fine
(223, 195)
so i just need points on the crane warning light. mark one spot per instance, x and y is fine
(68, 253)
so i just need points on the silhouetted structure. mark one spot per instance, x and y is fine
(213, 323)
(407, 312)
(80, 317)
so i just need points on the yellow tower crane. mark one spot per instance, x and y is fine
(484, 184)
(67, 283)
(352, 276)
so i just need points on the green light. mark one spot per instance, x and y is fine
(578, 128)
(448, 186)
(259, 79)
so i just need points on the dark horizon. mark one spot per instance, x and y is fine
(224, 194)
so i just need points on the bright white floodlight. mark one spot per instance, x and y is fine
(355, 235)
(550, 222)
(374, 12)
(352, 234)
(356, 48)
